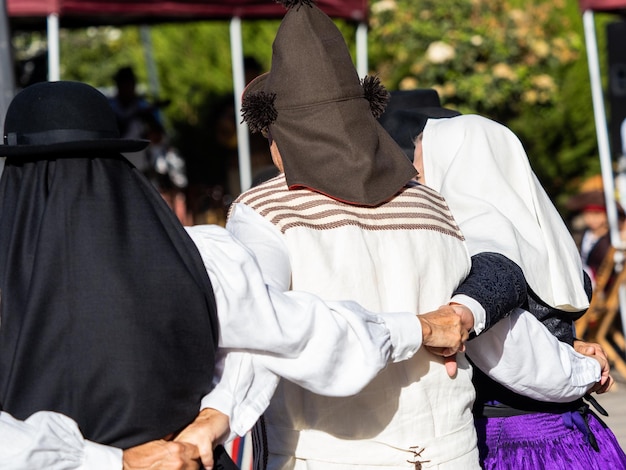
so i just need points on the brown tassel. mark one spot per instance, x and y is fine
(258, 110)
(376, 94)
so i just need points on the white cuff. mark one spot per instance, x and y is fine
(405, 331)
(241, 420)
(477, 310)
(585, 372)
(101, 457)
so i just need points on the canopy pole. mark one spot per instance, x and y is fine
(7, 78)
(54, 61)
(362, 65)
(604, 151)
(148, 51)
(243, 138)
(601, 127)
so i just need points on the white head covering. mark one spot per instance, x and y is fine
(483, 172)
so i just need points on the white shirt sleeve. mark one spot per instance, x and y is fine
(242, 390)
(52, 441)
(295, 325)
(521, 354)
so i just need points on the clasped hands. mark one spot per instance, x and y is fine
(185, 451)
(595, 350)
(445, 331)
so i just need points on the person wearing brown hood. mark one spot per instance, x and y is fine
(346, 218)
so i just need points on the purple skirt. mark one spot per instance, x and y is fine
(547, 441)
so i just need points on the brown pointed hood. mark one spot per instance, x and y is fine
(322, 116)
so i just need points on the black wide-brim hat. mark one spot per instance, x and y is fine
(63, 116)
(404, 125)
(322, 116)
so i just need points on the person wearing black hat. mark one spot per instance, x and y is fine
(95, 276)
(489, 284)
(109, 308)
(406, 124)
(346, 217)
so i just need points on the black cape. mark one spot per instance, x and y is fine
(107, 312)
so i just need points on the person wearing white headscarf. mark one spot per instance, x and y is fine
(483, 172)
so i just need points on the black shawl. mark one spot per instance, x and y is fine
(107, 312)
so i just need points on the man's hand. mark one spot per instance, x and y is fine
(443, 330)
(209, 428)
(443, 334)
(595, 350)
(162, 455)
(467, 317)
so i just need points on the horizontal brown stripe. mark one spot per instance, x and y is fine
(303, 208)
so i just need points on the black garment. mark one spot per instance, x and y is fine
(107, 312)
(488, 391)
(496, 282)
(598, 252)
(558, 322)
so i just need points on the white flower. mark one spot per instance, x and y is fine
(439, 52)
(476, 40)
(504, 71)
(382, 6)
(545, 82)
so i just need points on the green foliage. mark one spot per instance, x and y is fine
(520, 62)
(93, 55)
(193, 63)
(192, 59)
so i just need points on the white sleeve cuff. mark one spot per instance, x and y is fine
(586, 371)
(243, 412)
(406, 334)
(477, 310)
(101, 457)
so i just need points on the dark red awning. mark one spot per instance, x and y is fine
(99, 12)
(603, 5)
